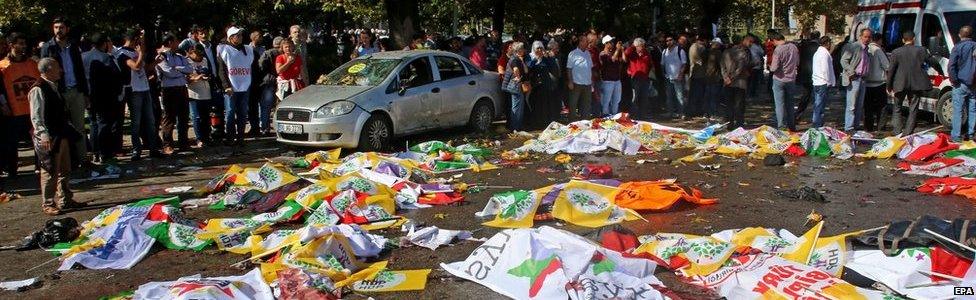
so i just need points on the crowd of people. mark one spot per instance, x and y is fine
(68, 98)
(692, 74)
(219, 88)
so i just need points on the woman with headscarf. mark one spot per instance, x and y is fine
(545, 82)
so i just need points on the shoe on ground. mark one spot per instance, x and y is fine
(71, 204)
(51, 211)
(136, 156)
(167, 150)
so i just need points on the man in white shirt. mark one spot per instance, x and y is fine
(579, 69)
(823, 78)
(234, 62)
(673, 58)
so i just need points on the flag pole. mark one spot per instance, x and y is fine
(950, 240)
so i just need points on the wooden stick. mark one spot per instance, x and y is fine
(927, 284)
(821, 294)
(940, 275)
(950, 240)
(42, 264)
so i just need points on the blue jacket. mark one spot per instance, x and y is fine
(962, 64)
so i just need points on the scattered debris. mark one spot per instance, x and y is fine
(772, 160)
(21, 285)
(804, 193)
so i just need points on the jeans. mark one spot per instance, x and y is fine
(908, 127)
(610, 97)
(175, 114)
(579, 102)
(819, 103)
(518, 112)
(783, 101)
(736, 107)
(235, 114)
(641, 87)
(200, 118)
(963, 96)
(709, 105)
(143, 125)
(675, 101)
(268, 99)
(854, 111)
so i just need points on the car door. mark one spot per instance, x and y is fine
(413, 108)
(457, 91)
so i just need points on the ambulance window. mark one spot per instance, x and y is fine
(933, 38)
(895, 25)
(956, 20)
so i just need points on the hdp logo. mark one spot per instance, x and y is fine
(963, 290)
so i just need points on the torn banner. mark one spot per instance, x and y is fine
(247, 286)
(548, 263)
(592, 203)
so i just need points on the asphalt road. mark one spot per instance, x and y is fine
(861, 194)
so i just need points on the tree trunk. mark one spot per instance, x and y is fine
(611, 21)
(711, 11)
(404, 19)
(498, 16)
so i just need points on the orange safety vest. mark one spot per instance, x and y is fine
(18, 78)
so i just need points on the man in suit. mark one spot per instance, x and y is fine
(72, 83)
(53, 133)
(907, 79)
(105, 88)
(855, 64)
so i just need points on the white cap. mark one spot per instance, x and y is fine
(607, 39)
(233, 30)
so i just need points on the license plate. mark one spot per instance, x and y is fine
(290, 128)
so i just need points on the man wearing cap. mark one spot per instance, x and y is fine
(234, 69)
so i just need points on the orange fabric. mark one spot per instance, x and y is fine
(968, 192)
(657, 195)
(18, 78)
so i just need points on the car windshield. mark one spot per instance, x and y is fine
(361, 72)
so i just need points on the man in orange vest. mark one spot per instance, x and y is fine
(19, 73)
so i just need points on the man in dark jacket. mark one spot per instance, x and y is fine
(53, 134)
(72, 82)
(268, 83)
(105, 88)
(907, 79)
(804, 77)
(962, 68)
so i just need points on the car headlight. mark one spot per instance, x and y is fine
(334, 108)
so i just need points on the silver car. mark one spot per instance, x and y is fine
(368, 101)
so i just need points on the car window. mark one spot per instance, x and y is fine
(472, 69)
(417, 73)
(895, 25)
(362, 72)
(932, 37)
(450, 67)
(956, 20)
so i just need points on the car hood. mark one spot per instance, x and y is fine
(314, 96)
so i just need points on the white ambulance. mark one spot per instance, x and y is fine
(936, 25)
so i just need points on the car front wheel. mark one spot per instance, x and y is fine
(482, 116)
(376, 134)
(944, 110)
